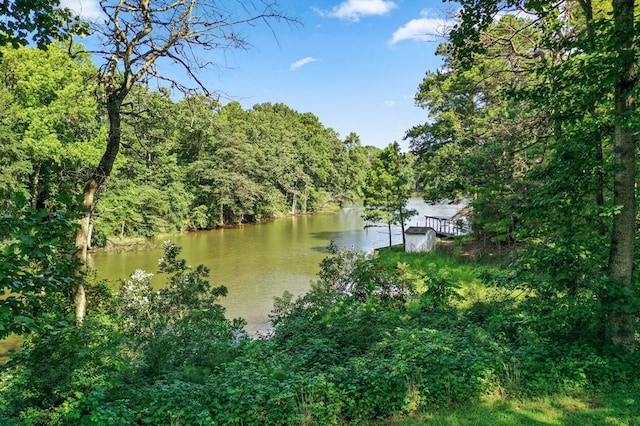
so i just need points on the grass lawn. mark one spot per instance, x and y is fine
(616, 407)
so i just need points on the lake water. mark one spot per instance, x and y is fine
(259, 262)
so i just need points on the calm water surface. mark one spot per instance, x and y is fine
(259, 262)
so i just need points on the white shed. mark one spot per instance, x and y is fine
(419, 239)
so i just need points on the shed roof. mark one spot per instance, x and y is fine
(419, 230)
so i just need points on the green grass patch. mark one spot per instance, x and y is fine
(455, 268)
(615, 407)
(460, 271)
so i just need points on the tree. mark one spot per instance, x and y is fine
(35, 260)
(227, 170)
(145, 194)
(304, 157)
(53, 114)
(604, 48)
(388, 187)
(42, 21)
(622, 249)
(136, 36)
(278, 132)
(481, 140)
(354, 166)
(14, 163)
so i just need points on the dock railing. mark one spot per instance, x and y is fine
(448, 227)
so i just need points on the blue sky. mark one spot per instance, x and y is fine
(356, 64)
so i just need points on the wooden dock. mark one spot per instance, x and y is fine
(447, 227)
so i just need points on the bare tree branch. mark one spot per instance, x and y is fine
(135, 36)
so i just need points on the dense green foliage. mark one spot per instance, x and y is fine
(37, 268)
(524, 122)
(374, 338)
(390, 182)
(40, 21)
(188, 164)
(49, 124)
(527, 118)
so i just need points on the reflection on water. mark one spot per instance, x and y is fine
(258, 262)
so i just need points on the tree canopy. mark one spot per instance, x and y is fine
(389, 184)
(532, 118)
(39, 21)
(191, 163)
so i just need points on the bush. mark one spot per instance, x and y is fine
(47, 382)
(368, 342)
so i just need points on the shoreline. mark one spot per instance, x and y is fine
(117, 244)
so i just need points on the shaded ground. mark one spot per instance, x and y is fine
(473, 249)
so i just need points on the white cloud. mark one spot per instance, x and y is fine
(425, 28)
(389, 103)
(352, 10)
(301, 62)
(86, 9)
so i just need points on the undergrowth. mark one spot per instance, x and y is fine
(404, 338)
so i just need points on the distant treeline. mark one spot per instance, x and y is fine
(192, 163)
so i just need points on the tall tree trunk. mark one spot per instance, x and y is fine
(621, 252)
(101, 173)
(294, 202)
(402, 228)
(221, 212)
